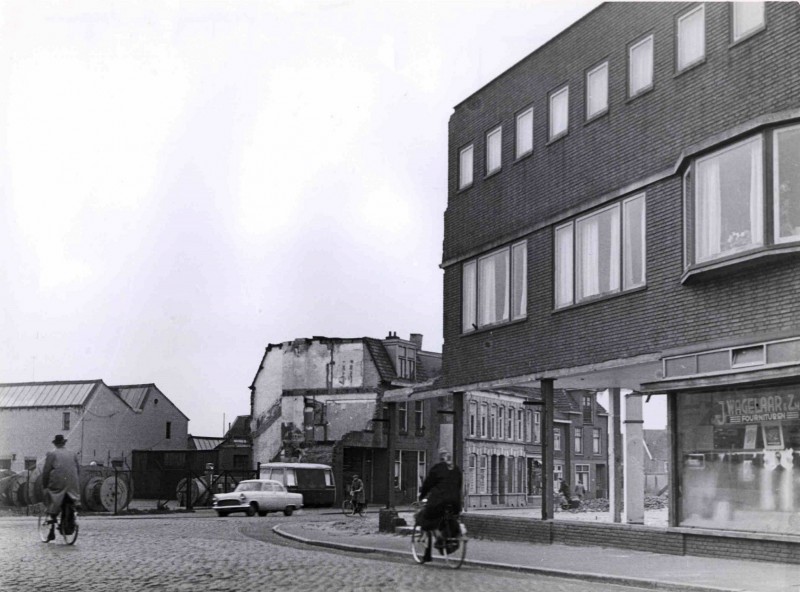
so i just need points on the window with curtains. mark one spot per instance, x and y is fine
(747, 17)
(494, 150)
(729, 191)
(597, 91)
(519, 424)
(557, 438)
(640, 66)
(419, 415)
(524, 138)
(578, 440)
(494, 288)
(465, 167)
(601, 253)
(691, 37)
(402, 417)
(559, 113)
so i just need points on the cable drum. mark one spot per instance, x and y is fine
(114, 493)
(91, 494)
(198, 487)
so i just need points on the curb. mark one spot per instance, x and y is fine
(557, 573)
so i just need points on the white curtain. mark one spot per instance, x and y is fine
(559, 103)
(756, 198)
(691, 38)
(493, 157)
(564, 271)
(589, 258)
(633, 247)
(709, 210)
(468, 296)
(614, 254)
(641, 65)
(486, 299)
(520, 267)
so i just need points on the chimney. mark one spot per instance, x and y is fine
(392, 335)
(416, 339)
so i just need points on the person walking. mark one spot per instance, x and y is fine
(442, 489)
(60, 478)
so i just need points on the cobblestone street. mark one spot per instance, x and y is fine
(203, 552)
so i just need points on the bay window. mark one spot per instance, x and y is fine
(730, 190)
(601, 253)
(494, 288)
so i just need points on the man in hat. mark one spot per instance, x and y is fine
(60, 478)
(442, 489)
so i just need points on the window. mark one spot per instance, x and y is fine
(640, 66)
(422, 467)
(691, 38)
(582, 476)
(491, 292)
(494, 150)
(748, 17)
(726, 199)
(419, 415)
(524, 140)
(588, 408)
(473, 473)
(501, 418)
(528, 425)
(596, 440)
(510, 430)
(168, 434)
(578, 440)
(597, 91)
(65, 420)
(402, 416)
(493, 422)
(473, 411)
(407, 358)
(786, 184)
(591, 250)
(484, 413)
(537, 426)
(559, 113)
(558, 474)
(519, 424)
(557, 439)
(465, 167)
(484, 484)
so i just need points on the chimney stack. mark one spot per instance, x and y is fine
(416, 339)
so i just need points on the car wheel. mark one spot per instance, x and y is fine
(262, 513)
(251, 510)
(221, 513)
(287, 511)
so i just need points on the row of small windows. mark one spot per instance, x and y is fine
(747, 18)
(418, 416)
(737, 200)
(483, 478)
(500, 422)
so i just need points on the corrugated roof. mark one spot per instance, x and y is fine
(205, 443)
(134, 396)
(46, 394)
(381, 359)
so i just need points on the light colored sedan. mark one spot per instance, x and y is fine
(257, 496)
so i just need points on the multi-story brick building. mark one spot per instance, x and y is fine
(624, 212)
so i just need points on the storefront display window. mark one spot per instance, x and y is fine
(739, 459)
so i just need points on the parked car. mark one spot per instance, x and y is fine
(257, 496)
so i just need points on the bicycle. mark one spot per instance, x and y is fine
(451, 542)
(66, 522)
(350, 507)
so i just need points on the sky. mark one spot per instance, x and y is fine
(184, 183)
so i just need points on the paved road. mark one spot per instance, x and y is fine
(204, 553)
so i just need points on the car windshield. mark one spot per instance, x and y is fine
(251, 486)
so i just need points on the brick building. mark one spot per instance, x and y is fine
(624, 213)
(103, 424)
(321, 400)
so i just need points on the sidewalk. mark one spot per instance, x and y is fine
(592, 564)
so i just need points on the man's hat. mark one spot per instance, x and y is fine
(59, 440)
(443, 450)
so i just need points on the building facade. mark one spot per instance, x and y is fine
(624, 213)
(321, 400)
(103, 424)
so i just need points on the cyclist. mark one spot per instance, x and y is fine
(442, 488)
(357, 493)
(60, 478)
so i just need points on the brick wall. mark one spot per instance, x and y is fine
(636, 139)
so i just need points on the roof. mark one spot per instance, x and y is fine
(204, 443)
(134, 396)
(47, 394)
(381, 358)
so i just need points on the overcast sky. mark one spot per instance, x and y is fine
(183, 183)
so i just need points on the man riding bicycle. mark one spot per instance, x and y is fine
(60, 479)
(357, 493)
(442, 489)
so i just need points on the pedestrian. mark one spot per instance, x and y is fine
(357, 493)
(563, 489)
(442, 489)
(60, 478)
(580, 491)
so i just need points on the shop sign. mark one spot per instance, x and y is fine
(737, 410)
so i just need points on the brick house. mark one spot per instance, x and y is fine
(321, 400)
(102, 423)
(624, 213)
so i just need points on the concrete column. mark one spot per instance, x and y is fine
(391, 446)
(458, 434)
(615, 454)
(634, 459)
(547, 449)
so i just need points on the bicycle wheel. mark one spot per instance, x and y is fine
(72, 536)
(455, 549)
(43, 526)
(362, 509)
(347, 507)
(419, 542)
